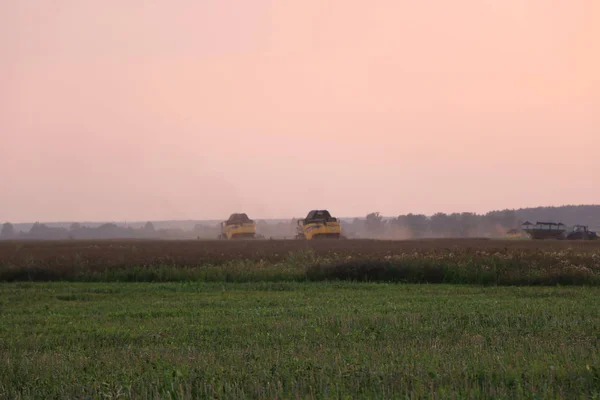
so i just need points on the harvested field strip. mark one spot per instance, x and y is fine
(135, 253)
(504, 266)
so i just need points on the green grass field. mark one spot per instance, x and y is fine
(297, 340)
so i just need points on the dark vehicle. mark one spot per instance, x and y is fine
(581, 232)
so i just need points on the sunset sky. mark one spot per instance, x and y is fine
(185, 109)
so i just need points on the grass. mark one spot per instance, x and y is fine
(291, 319)
(297, 340)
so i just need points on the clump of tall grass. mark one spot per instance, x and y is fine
(487, 271)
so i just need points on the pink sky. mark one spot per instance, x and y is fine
(186, 109)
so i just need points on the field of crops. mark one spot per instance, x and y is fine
(293, 319)
(297, 340)
(425, 261)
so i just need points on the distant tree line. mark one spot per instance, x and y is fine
(374, 225)
(440, 225)
(569, 215)
(78, 231)
(491, 224)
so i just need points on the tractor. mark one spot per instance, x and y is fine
(581, 232)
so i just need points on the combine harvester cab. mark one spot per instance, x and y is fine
(545, 230)
(319, 224)
(238, 226)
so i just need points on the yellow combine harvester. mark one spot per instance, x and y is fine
(319, 224)
(238, 226)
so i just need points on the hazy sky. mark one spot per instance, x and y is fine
(157, 109)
